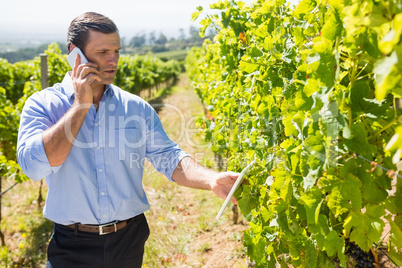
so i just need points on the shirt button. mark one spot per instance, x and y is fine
(98, 147)
(102, 193)
(104, 216)
(100, 170)
(96, 124)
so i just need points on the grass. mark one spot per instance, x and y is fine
(26, 231)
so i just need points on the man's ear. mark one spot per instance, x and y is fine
(72, 46)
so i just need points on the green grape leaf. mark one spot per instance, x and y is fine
(358, 142)
(332, 120)
(342, 195)
(294, 158)
(311, 87)
(369, 40)
(372, 192)
(219, 5)
(248, 67)
(360, 103)
(334, 244)
(255, 245)
(395, 237)
(304, 7)
(387, 75)
(333, 25)
(323, 225)
(377, 17)
(245, 200)
(393, 36)
(298, 36)
(286, 191)
(365, 228)
(298, 121)
(312, 201)
(396, 231)
(196, 14)
(290, 130)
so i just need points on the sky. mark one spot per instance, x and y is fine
(51, 18)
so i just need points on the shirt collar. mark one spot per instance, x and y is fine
(67, 84)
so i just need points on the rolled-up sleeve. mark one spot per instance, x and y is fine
(162, 152)
(31, 154)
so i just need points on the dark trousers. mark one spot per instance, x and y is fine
(124, 248)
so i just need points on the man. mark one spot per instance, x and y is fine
(89, 139)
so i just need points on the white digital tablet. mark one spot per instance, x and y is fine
(234, 188)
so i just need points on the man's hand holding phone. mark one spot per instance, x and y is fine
(84, 73)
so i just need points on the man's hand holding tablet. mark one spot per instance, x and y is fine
(234, 188)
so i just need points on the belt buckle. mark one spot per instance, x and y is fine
(101, 232)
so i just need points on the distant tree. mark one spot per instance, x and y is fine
(152, 38)
(182, 35)
(195, 34)
(123, 41)
(162, 39)
(138, 41)
(24, 54)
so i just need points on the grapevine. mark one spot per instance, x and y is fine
(311, 92)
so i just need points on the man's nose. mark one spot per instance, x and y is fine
(113, 59)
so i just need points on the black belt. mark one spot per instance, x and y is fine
(100, 229)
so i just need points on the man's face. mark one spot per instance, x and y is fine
(104, 50)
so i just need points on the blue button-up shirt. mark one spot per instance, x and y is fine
(101, 179)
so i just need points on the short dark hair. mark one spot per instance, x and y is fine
(80, 27)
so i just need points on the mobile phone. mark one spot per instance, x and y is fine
(73, 54)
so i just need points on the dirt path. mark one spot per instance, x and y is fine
(184, 232)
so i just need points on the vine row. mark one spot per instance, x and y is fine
(311, 93)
